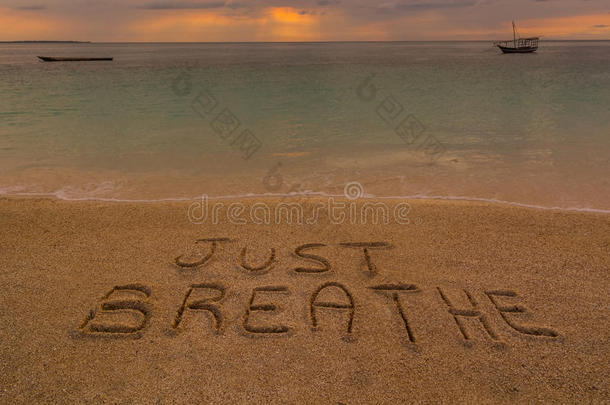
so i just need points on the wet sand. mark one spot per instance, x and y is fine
(468, 302)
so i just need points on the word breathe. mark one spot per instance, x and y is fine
(126, 311)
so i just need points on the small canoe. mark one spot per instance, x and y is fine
(69, 59)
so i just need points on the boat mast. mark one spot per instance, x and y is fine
(514, 35)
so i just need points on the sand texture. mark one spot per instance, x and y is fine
(469, 302)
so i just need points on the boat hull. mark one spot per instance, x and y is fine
(517, 50)
(68, 59)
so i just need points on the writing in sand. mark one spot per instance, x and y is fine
(126, 310)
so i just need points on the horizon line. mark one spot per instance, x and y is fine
(283, 42)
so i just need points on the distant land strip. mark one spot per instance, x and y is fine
(45, 42)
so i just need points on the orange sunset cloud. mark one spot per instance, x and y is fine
(289, 24)
(16, 25)
(581, 26)
(273, 24)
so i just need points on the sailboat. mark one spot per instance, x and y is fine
(518, 45)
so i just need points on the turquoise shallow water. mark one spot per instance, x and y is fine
(452, 119)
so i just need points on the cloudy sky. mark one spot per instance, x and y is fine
(300, 20)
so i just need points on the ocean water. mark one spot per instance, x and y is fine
(413, 119)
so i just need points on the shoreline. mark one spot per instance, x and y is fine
(307, 197)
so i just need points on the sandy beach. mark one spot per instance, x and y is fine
(468, 302)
